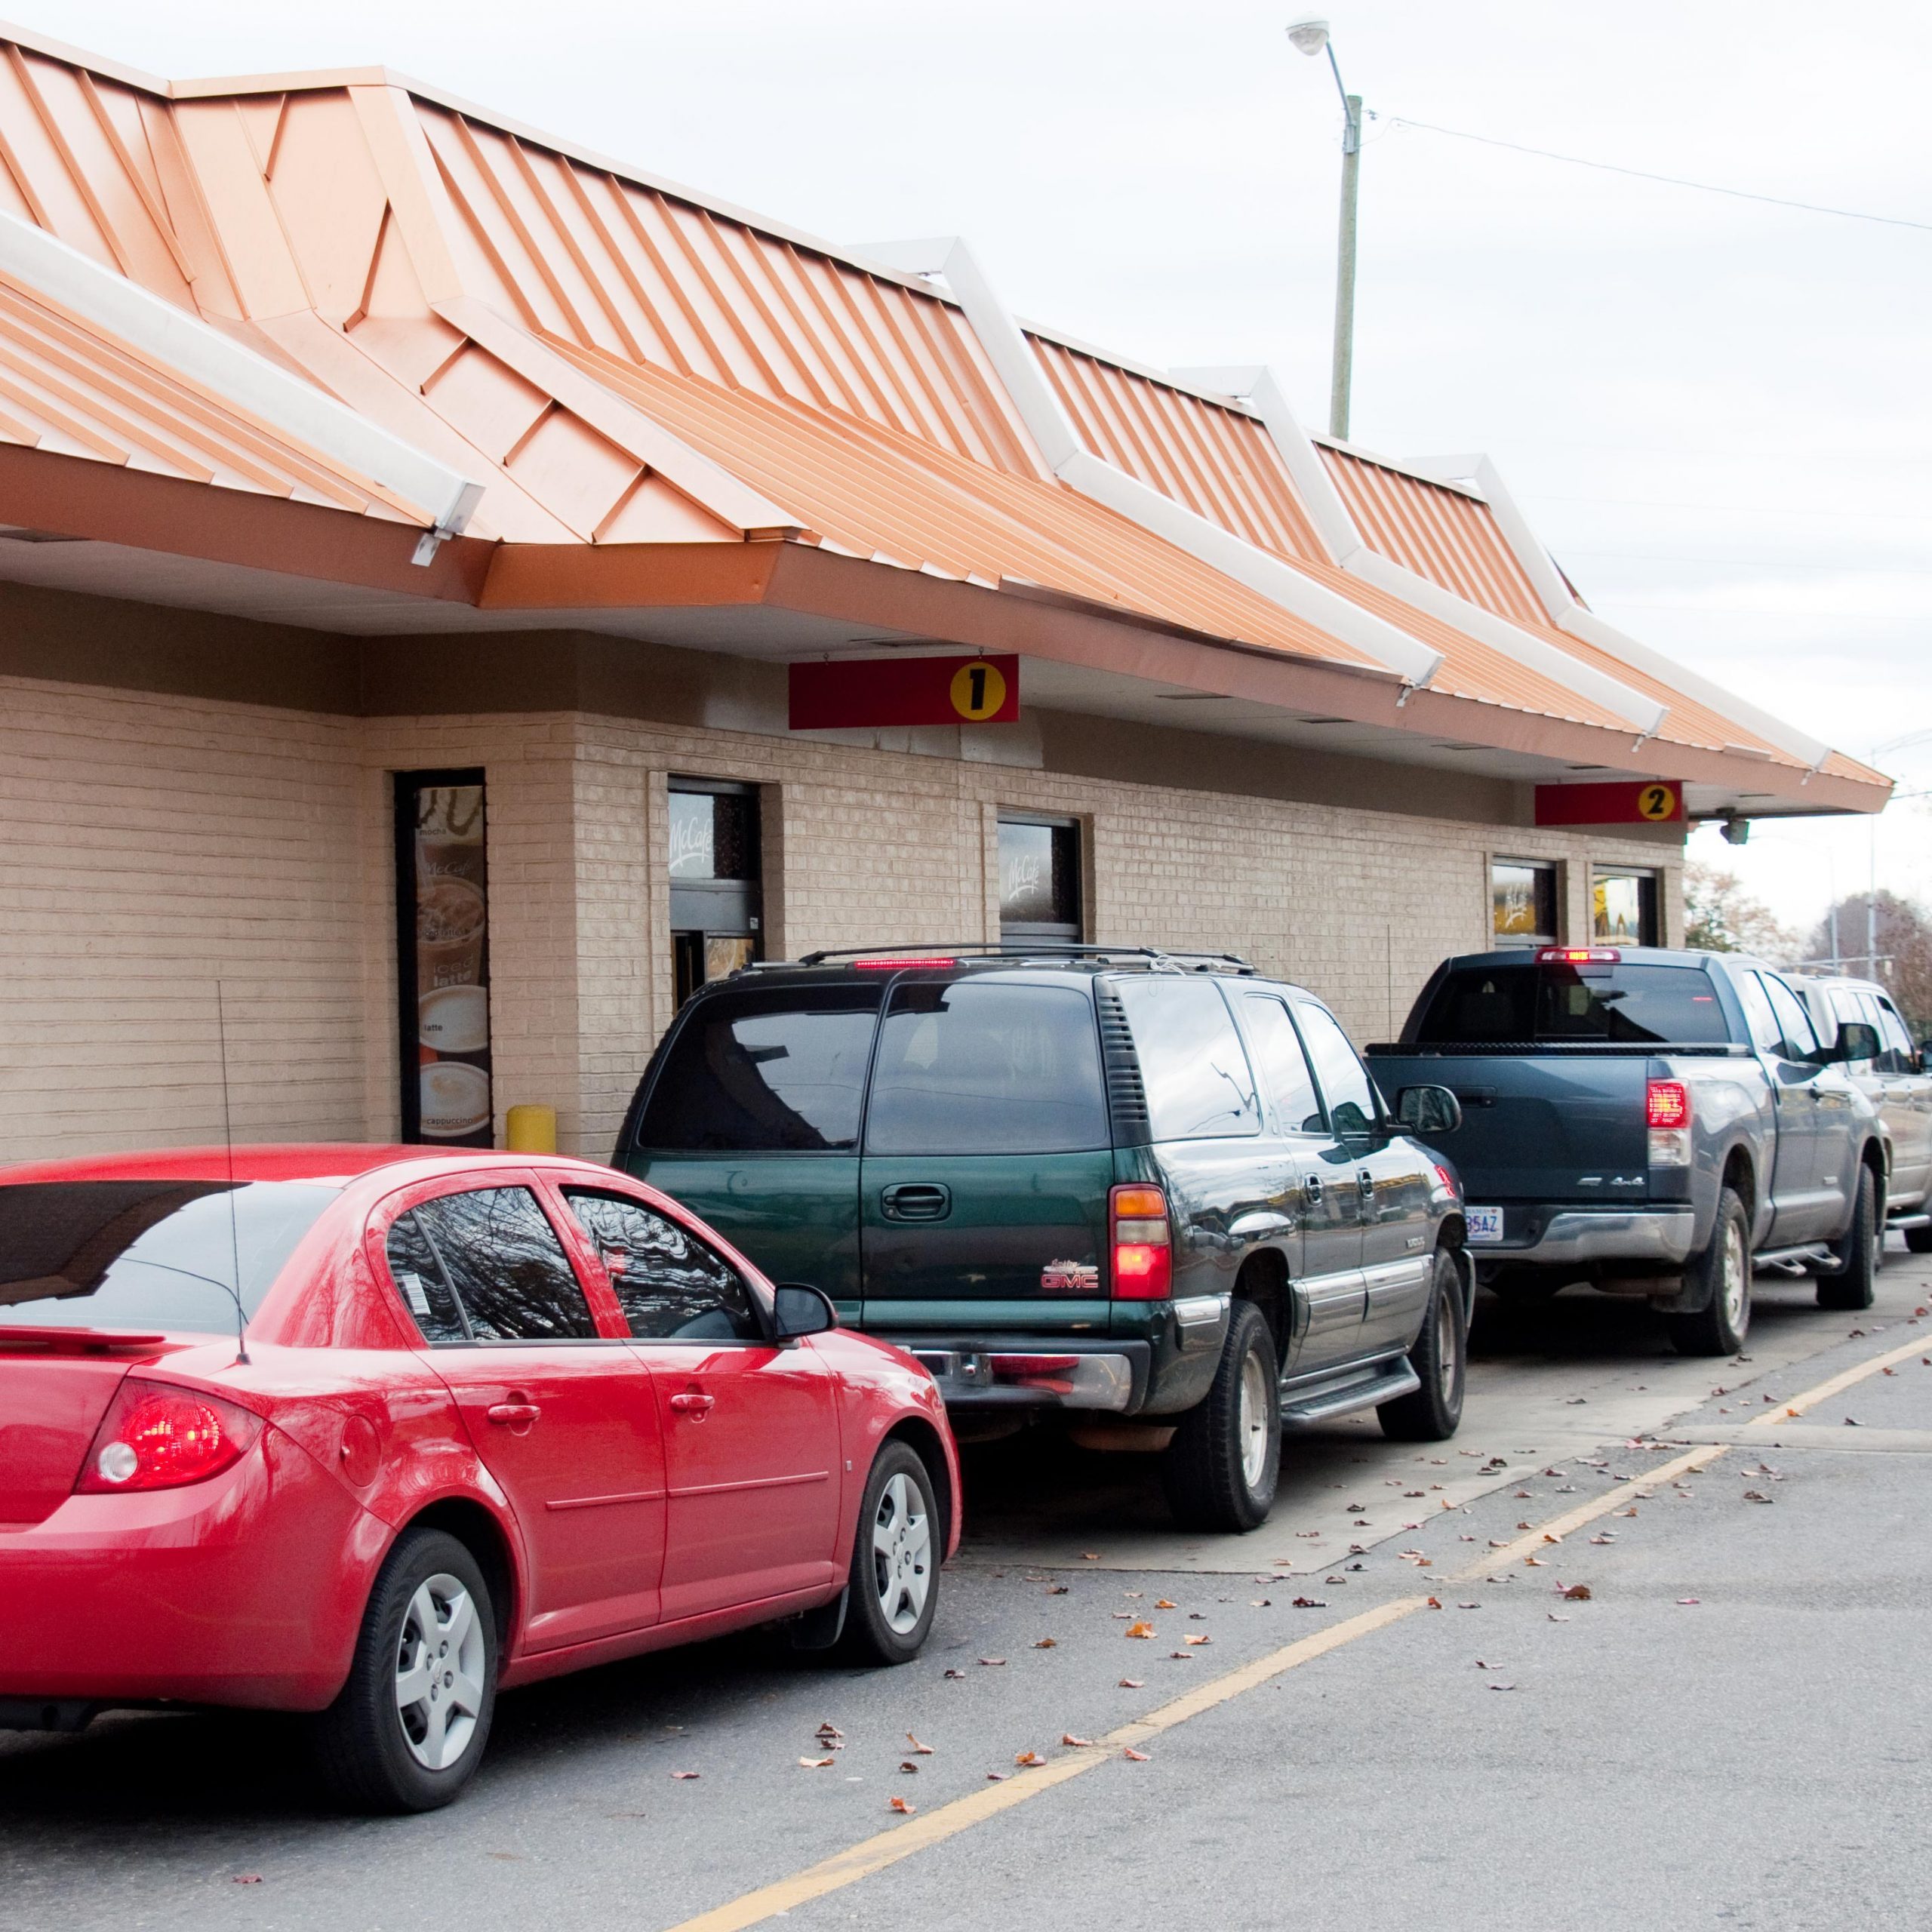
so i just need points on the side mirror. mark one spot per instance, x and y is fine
(799, 1309)
(1857, 1039)
(1429, 1110)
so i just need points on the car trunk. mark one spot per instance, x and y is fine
(53, 1392)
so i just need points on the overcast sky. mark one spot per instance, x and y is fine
(1719, 413)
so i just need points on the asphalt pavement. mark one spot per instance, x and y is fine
(1727, 1730)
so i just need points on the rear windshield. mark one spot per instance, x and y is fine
(147, 1256)
(979, 1068)
(769, 1071)
(1639, 1005)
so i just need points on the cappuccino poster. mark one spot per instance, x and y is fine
(442, 933)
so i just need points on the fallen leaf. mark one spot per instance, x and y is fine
(1056, 1589)
(816, 1763)
(1468, 1606)
(1077, 1743)
(1197, 1617)
(1028, 1758)
(1164, 1603)
(1435, 1603)
(247, 1878)
(1358, 1509)
(960, 1674)
(1577, 1593)
(1548, 1538)
(992, 1663)
(1138, 1757)
(1140, 1630)
(1688, 1599)
(1502, 1686)
(900, 1805)
(1132, 1683)
(1048, 1644)
(906, 1765)
(826, 1733)
(1184, 1657)
(1089, 1556)
(1310, 1603)
(1755, 1496)
(1260, 1603)
(686, 1774)
(1535, 1562)
(995, 1777)
(1522, 1526)
(1554, 1618)
(1197, 1640)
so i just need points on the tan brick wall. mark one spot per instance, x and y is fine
(148, 845)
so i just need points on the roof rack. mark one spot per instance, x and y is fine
(1155, 956)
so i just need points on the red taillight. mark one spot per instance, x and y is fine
(157, 1438)
(1144, 1249)
(1445, 1180)
(1578, 955)
(1666, 1103)
(902, 962)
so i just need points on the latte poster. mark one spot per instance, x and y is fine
(442, 932)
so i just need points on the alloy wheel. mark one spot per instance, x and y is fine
(1448, 1345)
(441, 1657)
(1256, 1394)
(902, 1553)
(1734, 1285)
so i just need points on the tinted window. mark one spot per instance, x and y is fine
(759, 1071)
(1800, 1041)
(670, 1286)
(507, 1266)
(418, 1274)
(1640, 1004)
(147, 1256)
(1283, 1064)
(1897, 1056)
(1767, 1035)
(986, 1069)
(1352, 1106)
(1193, 1065)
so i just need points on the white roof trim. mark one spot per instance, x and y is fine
(1569, 615)
(202, 354)
(1025, 383)
(1329, 510)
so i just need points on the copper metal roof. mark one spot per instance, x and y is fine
(620, 362)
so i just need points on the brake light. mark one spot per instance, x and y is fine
(904, 961)
(1143, 1248)
(1578, 955)
(1446, 1180)
(1666, 1103)
(157, 1438)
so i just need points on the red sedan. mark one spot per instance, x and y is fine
(371, 1433)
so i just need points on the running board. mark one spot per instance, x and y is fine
(1369, 1393)
(1901, 1221)
(1795, 1260)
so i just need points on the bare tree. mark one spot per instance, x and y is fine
(1903, 944)
(1719, 916)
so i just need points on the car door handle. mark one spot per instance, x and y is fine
(915, 1200)
(1313, 1186)
(693, 1402)
(513, 1415)
(1365, 1183)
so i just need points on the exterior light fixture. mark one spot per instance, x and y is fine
(1309, 36)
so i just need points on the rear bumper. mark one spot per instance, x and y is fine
(246, 1590)
(1033, 1371)
(1567, 1235)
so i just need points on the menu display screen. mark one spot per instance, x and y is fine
(443, 957)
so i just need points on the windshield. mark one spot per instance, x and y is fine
(147, 1257)
(1637, 1005)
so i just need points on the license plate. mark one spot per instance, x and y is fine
(1485, 1224)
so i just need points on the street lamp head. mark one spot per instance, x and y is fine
(1309, 36)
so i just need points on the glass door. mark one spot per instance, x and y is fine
(716, 901)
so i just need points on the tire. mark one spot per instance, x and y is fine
(377, 1751)
(1724, 1270)
(893, 1583)
(1221, 1468)
(1433, 1413)
(1919, 1240)
(1860, 1255)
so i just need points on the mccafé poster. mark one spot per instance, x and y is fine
(443, 956)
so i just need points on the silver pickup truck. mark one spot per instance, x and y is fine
(1654, 1122)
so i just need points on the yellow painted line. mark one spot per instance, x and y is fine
(901, 1841)
(1784, 1411)
(961, 1814)
(1540, 1539)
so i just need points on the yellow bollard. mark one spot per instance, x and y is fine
(530, 1130)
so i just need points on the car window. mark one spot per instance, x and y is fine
(1767, 1035)
(1351, 1095)
(418, 1274)
(1798, 1040)
(508, 1269)
(670, 1285)
(1192, 1065)
(1283, 1064)
(1896, 1054)
(147, 1256)
(1609, 1001)
(765, 1070)
(980, 1068)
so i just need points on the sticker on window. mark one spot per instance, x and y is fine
(1485, 1224)
(413, 1292)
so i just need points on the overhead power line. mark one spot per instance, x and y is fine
(1644, 174)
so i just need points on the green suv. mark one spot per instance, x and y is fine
(1156, 1194)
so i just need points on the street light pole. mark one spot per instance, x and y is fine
(1312, 37)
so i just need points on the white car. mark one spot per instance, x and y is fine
(1897, 1084)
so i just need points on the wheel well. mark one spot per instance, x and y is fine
(482, 1535)
(1873, 1155)
(920, 1436)
(1738, 1177)
(1263, 1280)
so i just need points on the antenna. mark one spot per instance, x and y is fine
(228, 1141)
